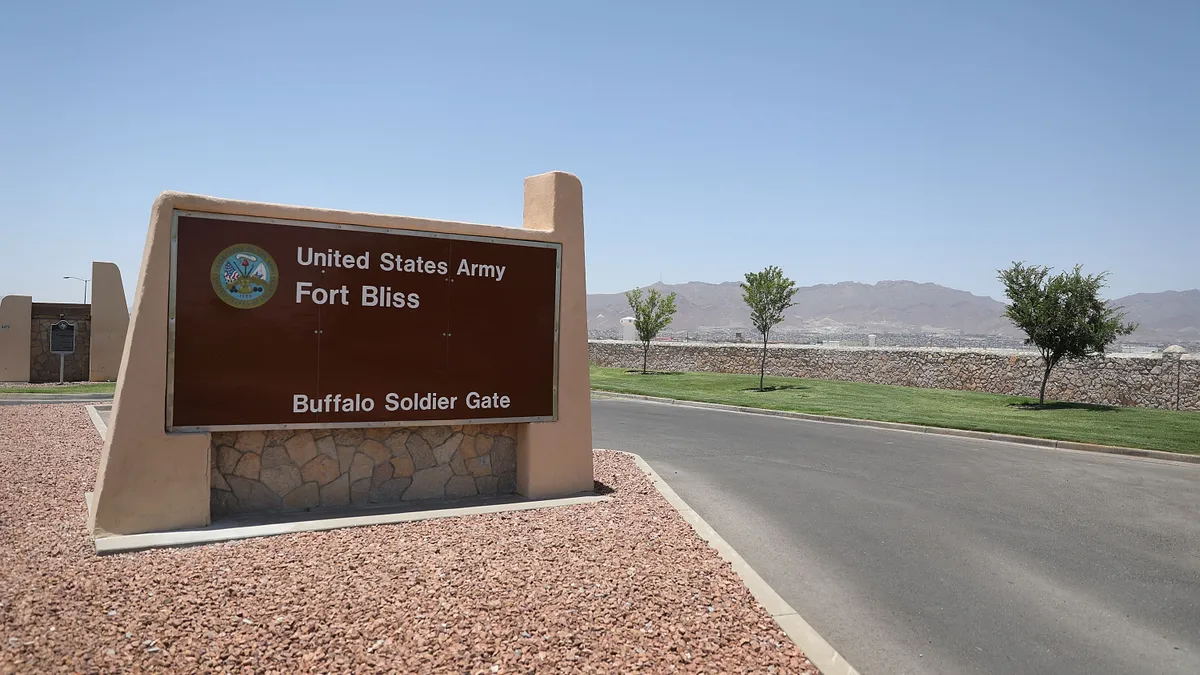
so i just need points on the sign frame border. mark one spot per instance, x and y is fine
(171, 309)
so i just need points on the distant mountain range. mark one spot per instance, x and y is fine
(1169, 316)
(888, 307)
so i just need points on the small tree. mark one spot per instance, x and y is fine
(1062, 315)
(768, 293)
(650, 316)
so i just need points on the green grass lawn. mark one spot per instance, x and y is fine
(1129, 427)
(83, 388)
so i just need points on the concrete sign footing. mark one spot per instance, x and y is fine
(221, 532)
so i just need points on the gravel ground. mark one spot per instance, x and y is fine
(42, 385)
(616, 587)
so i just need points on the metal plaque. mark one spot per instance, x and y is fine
(62, 338)
(289, 324)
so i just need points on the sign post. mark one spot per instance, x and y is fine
(62, 343)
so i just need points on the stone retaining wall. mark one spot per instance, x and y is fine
(1170, 380)
(260, 471)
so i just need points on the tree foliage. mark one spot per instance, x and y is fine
(768, 294)
(1062, 315)
(650, 316)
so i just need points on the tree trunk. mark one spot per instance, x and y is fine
(762, 364)
(1045, 377)
(645, 355)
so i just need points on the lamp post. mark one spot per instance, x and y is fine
(85, 285)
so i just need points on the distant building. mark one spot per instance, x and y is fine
(98, 330)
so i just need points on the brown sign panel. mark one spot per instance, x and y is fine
(298, 324)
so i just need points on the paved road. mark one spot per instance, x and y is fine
(913, 553)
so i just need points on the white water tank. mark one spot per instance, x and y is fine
(628, 332)
(871, 340)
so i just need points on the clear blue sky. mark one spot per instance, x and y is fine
(933, 141)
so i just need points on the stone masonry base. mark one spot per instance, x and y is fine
(263, 471)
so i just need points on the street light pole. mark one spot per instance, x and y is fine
(85, 285)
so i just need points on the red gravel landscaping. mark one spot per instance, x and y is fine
(617, 587)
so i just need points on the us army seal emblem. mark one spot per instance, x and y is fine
(244, 276)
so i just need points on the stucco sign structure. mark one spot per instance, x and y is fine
(292, 324)
(297, 320)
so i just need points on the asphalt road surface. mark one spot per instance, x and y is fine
(913, 553)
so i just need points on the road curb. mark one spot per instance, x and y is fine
(916, 428)
(94, 416)
(815, 647)
(65, 397)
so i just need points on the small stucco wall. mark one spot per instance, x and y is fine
(1170, 381)
(263, 471)
(43, 365)
(15, 317)
(110, 322)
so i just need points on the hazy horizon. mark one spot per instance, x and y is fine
(1000, 297)
(130, 283)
